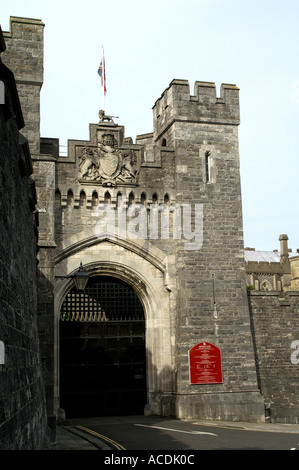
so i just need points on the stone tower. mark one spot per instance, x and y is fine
(210, 280)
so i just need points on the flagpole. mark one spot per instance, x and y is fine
(103, 100)
(103, 72)
(104, 79)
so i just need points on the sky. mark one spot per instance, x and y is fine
(251, 43)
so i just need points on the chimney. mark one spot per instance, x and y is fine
(284, 259)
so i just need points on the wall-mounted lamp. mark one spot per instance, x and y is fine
(80, 278)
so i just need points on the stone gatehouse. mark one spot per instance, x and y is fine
(157, 226)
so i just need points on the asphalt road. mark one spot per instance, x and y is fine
(154, 433)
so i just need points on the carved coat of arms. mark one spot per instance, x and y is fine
(107, 164)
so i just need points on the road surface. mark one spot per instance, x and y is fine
(140, 433)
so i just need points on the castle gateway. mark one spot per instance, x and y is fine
(163, 324)
(157, 226)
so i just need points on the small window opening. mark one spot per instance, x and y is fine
(155, 198)
(208, 166)
(107, 197)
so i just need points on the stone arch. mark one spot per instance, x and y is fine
(119, 196)
(82, 199)
(155, 198)
(131, 198)
(143, 198)
(58, 196)
(106, 268)
(166, 199)
(144, 268)
(70, 197)
(107, 197)
(110, 316)
(95, 198)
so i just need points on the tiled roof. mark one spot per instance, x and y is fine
(265, 256)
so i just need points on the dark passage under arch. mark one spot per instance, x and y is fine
(102, 350)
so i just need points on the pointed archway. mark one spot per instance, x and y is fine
(102, 350)
(145, 269)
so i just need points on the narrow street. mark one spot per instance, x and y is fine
(140, 433)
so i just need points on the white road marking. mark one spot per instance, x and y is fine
(177, 430)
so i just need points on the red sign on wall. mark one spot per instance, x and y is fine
(205, 364)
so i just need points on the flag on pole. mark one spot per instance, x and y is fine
(102, 73)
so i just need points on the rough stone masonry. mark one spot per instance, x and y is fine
(23, 416)
(189, 296)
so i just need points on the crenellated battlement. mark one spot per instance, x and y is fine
(24, 55)
(177, 104)
(25, 49)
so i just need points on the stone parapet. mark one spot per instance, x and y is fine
(176, 104)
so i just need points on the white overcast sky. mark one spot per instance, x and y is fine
(251, 43)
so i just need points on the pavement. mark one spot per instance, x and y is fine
(70, 438)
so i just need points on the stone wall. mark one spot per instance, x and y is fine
(23, 418)
(25, 56)
(44, 177)
(274, 320)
